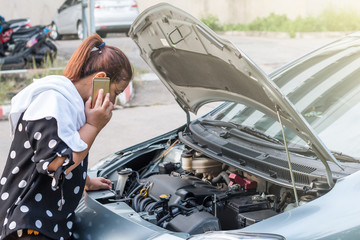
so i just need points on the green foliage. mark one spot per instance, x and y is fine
(329, 20)
(11, 84)
(212, 22)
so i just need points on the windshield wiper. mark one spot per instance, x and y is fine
(248, 130)
(252, 135)
(344, 158)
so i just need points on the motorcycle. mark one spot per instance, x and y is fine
(7, 28)
(28, 47)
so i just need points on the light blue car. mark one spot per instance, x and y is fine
(278, 159)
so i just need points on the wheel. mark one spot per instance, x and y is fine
(54, 34)
(80, 32)
(102, 34)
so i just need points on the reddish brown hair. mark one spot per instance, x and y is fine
(87, 60)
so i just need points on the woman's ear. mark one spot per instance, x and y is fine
(100, 74)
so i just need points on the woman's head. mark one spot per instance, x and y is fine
(89, 59)
(93, 56)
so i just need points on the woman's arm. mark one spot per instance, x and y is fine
(97, 183)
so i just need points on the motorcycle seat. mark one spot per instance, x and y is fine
(27, 32)
(17, 20)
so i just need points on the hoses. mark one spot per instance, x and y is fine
(161, 220)
(181, 207)
(135, 190)
(222, 175)
(144, 203)
(136, 201)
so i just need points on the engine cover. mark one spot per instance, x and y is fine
(180, 188)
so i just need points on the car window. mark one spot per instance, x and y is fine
(76, 2)
(324, 86)
(66, 4)
(246, 116)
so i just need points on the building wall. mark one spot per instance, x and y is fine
(228, 11)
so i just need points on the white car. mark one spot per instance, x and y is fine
(111, 16)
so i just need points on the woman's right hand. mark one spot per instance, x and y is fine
(101, 113)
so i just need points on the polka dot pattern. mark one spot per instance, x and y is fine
(49, 213)
(38, 197)
(61, 201)
(76, 189)
(52, 143)
(13, 154)
(69, 224)
(38, 224)
(3, 181)
(69, 176)
(4, 196)
(45, 166)
(22, 184)
(53, 183)
(24, 209)
(53, 213)
(12, 225)
(15, 170)
(37, 136)
(27, 145)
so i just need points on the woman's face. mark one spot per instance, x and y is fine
(116, 89)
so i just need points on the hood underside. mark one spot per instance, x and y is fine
(198, 67)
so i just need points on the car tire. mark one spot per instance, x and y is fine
(54, 34)
(102, 34)
(80, 32)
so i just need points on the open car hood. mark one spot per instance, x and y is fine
(198, 67)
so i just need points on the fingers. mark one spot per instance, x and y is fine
(88, 103)
(105, 183)
(99, 98)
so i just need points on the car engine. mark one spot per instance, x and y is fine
(185, 191)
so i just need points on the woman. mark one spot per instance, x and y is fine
(54, 127)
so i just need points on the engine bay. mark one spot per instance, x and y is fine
(182, 190)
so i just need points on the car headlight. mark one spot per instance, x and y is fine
(236, 236)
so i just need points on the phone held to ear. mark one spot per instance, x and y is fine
(99, 83)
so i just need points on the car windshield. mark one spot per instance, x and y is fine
(324, 86)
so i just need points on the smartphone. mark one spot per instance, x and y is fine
(99, 83)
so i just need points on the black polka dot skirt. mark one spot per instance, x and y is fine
(31, 196)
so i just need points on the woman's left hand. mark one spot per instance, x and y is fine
(97, 183)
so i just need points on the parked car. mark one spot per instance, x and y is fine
(278, 159)
(111, 16)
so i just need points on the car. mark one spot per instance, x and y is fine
(277, 159)
(111, 16)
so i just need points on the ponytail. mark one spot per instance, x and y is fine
(94, 56)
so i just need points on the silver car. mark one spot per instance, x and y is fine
(111, 16)
(279, 159)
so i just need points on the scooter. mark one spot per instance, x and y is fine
(27, 48)
(7, 28)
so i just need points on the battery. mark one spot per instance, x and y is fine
(248, 218)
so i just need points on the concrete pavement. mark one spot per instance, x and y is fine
(154, 110)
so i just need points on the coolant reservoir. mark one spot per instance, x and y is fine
(186, 161)
(122, 178)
